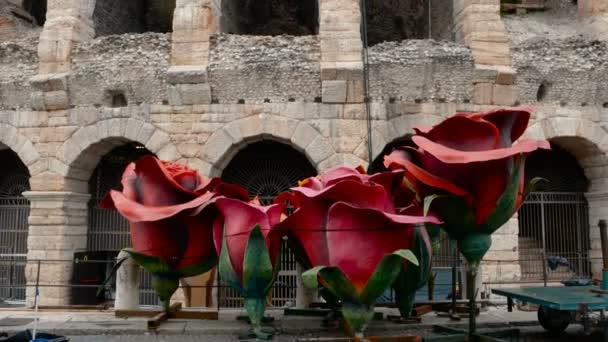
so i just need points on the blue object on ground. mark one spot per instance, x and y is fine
(555, 261)
(577, 282)
(26, 336)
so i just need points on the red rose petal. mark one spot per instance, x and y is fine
(137, 212)
(359, 238)
(166, 239)
(239, 220)
(451, 156)
(511, 123)
(353, 192)
(199, 231)
(462, 133)
(307, 226)
(426, 177)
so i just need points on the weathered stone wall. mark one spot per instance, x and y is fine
(18, 62)
(135, 65)
(16, 21)
(256, 69)
(572, 71)
(432, 71)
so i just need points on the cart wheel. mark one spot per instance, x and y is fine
(554, 321)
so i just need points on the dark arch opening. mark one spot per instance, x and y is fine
(37, 9)
(108, 231)
(133, 16)
(270, 17)
(14, 227)
(268, 168)
(555, 216)
(397, 20)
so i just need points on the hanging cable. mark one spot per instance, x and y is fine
(367, 99)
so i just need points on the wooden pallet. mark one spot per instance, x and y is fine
(157, 317)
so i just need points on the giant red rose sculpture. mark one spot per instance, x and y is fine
(471, 174)
(250, 248)
(353, 235)
(167, 206)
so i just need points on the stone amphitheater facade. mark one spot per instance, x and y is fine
(213, 85)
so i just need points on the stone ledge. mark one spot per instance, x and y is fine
(56, 196)
(187, 74)
(50, 82)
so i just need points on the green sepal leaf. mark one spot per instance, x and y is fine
(333, 280)
(154, 265)
(257, 266)
(532, 185)
(434, 231)
(475, 246)
(506, 204)
(225, 269)
(357, 316)
(165, 287)
(200, 268)
(428, 200)
(458, 218)
(385, 274)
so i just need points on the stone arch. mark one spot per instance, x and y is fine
(587, 142)
(20, 144)
(226, 142)
(80, 154)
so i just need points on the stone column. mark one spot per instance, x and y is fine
(478, 25)
(304, 296)
(58, 228)
(127, 284)
(501, 263)
(341, 51)
(68, 22)
(194, 22)
(591, 8)
(598, 210)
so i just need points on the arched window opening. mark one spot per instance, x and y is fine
(270, 17)
(266, 169)
(14, 212)
(108, 231)
(133, 16)
(37, 10)
(398, 20)
(554, 220)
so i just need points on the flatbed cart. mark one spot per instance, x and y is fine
(560, 306)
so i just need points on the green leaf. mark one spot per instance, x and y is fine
(200, 268)
(458, 218)
(257, 266)
(225, 268)
(385, 274)
(154, 265)
(333, 280)
(506, 204)
(428, 200)
(532, 185)
(475, 246)
(358, 316)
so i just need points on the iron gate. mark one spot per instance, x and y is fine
(554, 226)
(14, 212)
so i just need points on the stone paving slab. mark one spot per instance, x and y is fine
(89, 323)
